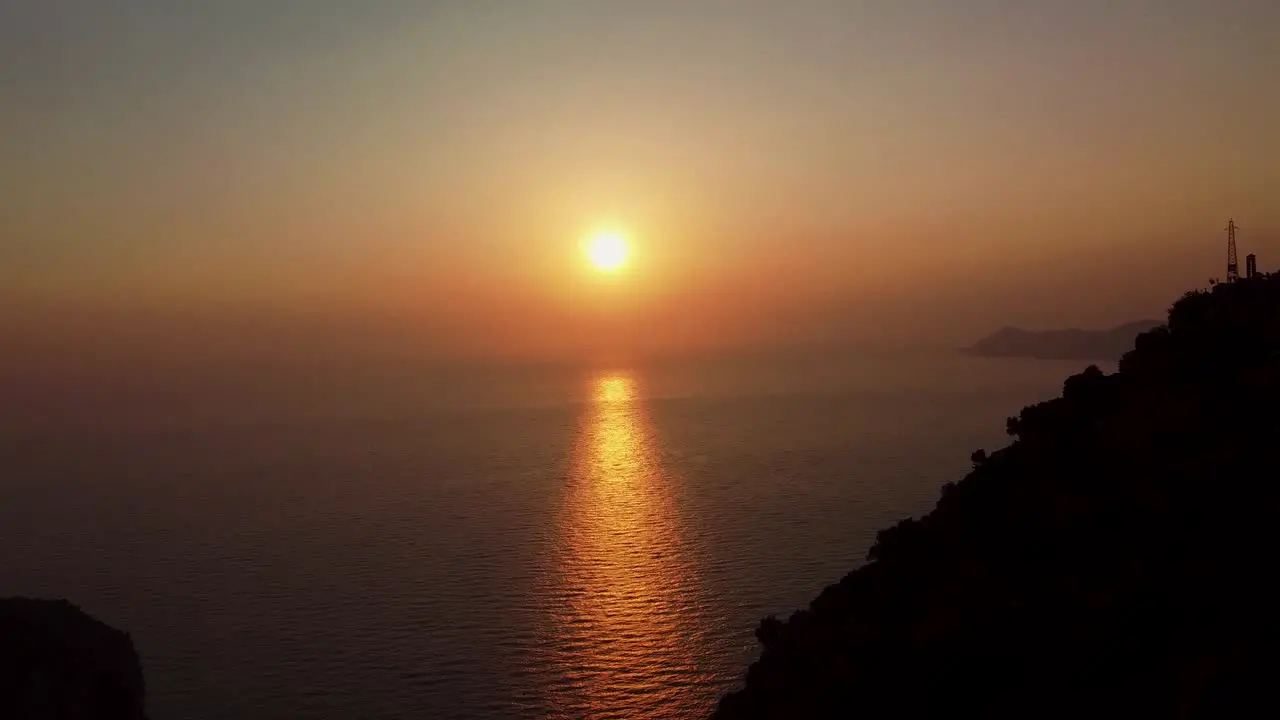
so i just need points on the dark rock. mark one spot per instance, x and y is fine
(57, 663)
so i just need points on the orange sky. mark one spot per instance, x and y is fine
(790, 173)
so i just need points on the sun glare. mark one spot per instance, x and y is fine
(608, 251)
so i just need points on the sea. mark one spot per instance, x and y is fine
(594, 542)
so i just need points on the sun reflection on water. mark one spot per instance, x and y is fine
(626, 618)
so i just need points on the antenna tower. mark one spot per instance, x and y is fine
(1233, 267)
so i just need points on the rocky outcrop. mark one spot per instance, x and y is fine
(58, 663)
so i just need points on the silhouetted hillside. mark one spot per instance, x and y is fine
(57, 663)
(1061, 344)
(1118, 559)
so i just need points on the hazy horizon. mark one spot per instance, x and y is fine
(411, 180)
(473, 359)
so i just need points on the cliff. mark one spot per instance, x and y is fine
(1061, 344)
(56, 662)
(1117, 559)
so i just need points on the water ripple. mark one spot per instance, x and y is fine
(608, 559)
(621, 633)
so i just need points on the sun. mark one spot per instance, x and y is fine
(607, 251)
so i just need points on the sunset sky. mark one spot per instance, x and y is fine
(808, 171)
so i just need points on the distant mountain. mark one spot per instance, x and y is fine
(1061, 344)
